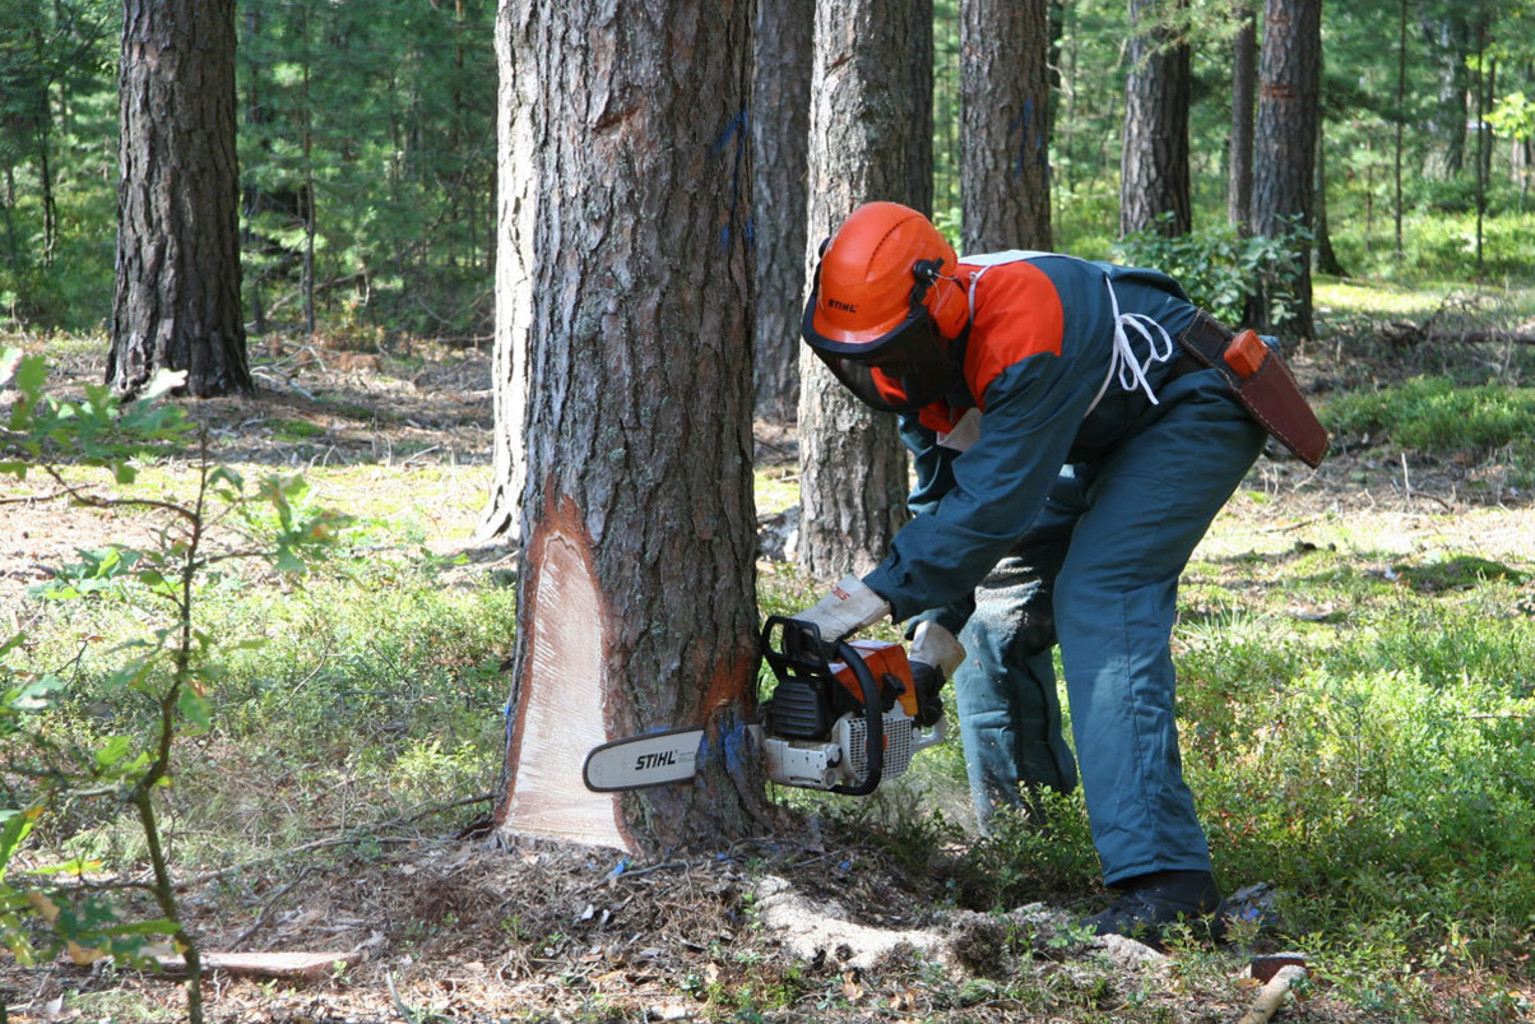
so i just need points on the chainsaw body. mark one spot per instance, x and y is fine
(842, 725)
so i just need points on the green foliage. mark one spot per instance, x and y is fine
(1220, 270)
(1514, 116)
(1373, 763)
(161, 675)
(1431, 414)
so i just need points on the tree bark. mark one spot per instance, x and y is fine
(919, 153)
(1244, 96)
(785, 46)
(177, 299)
(1005, 167)
(1448, 34)
(636, 600)
(1154, 163)
(1289, 78)
(852, 465)
(517, 101)
(1326, 258)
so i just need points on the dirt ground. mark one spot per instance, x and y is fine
(465, 928)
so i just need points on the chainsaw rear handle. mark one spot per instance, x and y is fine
(802, 648)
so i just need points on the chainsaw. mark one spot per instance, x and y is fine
(842, 723)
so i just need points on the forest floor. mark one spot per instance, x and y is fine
(825, 924)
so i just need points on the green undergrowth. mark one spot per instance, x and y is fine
(368, 692)
(1475, 423)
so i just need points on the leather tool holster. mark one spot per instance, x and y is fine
(1268, 392)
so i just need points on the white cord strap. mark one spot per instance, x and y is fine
(1123, 363)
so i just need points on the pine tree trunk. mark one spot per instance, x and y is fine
(1448, 33)
(852, 466)
(1154, 164)
(1326, 259)
(1244, 98)
(1289, 76)
(516, 103)
(785, 46)
(919, 151)
(636, 603)
(1005, 167)
(177, 299)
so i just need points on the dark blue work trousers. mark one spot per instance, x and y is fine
(1097, 573)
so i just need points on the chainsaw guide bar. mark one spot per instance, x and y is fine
(641, 761)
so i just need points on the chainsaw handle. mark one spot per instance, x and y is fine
(922, 740)
(874, 719)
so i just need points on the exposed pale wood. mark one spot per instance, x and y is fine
(297, 966)
(560, 715)
(1272, 996)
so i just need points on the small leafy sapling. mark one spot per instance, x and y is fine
(165, 676)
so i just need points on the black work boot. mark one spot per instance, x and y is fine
(1148, 904)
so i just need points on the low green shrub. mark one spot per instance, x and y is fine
(1432, 415)
(1218, 268)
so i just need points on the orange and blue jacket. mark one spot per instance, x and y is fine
(1037, 354)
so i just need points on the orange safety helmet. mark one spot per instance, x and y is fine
(883, 307)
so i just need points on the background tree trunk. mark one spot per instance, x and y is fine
(1448, 33)
(784, 47)
(1154, 162)
(1244, 97)
(919, 153)
(1326, 258)
(1289, 77)
(177, 300)
(516, 218)
(1006, 125)
(852, 465)
(636, 604)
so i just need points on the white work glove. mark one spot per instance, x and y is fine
(848, 608)
(934, 656)
(933, 645)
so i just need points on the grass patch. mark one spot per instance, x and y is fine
(1471, 424)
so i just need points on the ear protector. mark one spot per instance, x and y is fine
(943, 296)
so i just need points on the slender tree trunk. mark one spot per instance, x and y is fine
(1005, 168)
(1401, 120)
(1289, 77)
(1326, 259)
(785, 46)
(1244, 98)
(1484, 80)
(177, 301)
(1154, 164)
(254, 118)
(852, 466)
(636, 606)
(308, 148)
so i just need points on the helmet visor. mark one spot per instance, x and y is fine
(902, 371)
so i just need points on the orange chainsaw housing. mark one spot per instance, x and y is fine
(883, 659)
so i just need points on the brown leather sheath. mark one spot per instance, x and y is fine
(1269, 393)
